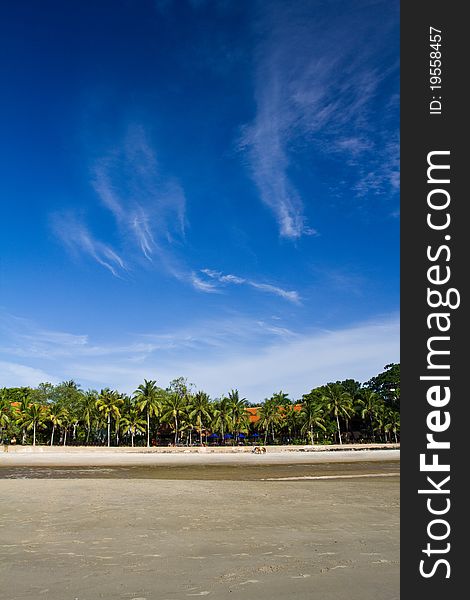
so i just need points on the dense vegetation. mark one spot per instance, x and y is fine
(340, 412)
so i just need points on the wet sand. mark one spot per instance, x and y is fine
(227, 530)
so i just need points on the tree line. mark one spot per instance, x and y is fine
(337, 412)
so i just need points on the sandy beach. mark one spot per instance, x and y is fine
(100, 456)
(173, 526)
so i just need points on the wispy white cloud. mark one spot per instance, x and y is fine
(265, 143)
(304, 362)
(77, 238)
(290, 295)
(202, 286)
(24, 338)
(17, 375)
(321, 96)
(142, 229)
(343, 279)
(255, 356)
(216, 334)
(149, 211)
(147, 207)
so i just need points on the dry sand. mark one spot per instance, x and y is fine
(123, 457)
(132, 532)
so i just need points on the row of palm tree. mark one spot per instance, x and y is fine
(65, 414)
(375, 417)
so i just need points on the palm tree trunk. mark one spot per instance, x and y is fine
(372, 429)
(109, 431)
(52, 436)
(88, 435)
(339, 430)
(132, 437)
(65, 435)
(176, 430)
(34, 433)
(148, 428)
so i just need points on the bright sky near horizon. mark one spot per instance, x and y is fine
(200, 188)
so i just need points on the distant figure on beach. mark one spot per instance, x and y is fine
(259, 450)
(13, 441)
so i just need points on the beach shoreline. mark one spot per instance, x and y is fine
(196, 449)
(76, 456)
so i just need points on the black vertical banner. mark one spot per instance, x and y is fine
(434, 291)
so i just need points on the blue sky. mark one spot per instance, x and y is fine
(199, 188)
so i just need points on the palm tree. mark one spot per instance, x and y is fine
(199, 411)
(186, 425)
(338, 402)
(148, 399)
(269, 416)
(312, 416)
(380, 421)
(5, 410)
(108, 404)
(32, 418)
(71, 384)
(68, 419)
(392, 422)
(291, 420)
(57, 416)
(173, 411)
(133, 422)
(369, 403)
(222, 417)
(282, 398)
(240, 417)
(87, 410)
(21, 409)
(68, 395)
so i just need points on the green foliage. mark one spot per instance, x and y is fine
(200, 412)
(174, 411)
(32, 418)
(335, 412)
(313, 417)
(149, 398)
(387, 385)
(281, 398)
(108, 404)
(132, 421)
